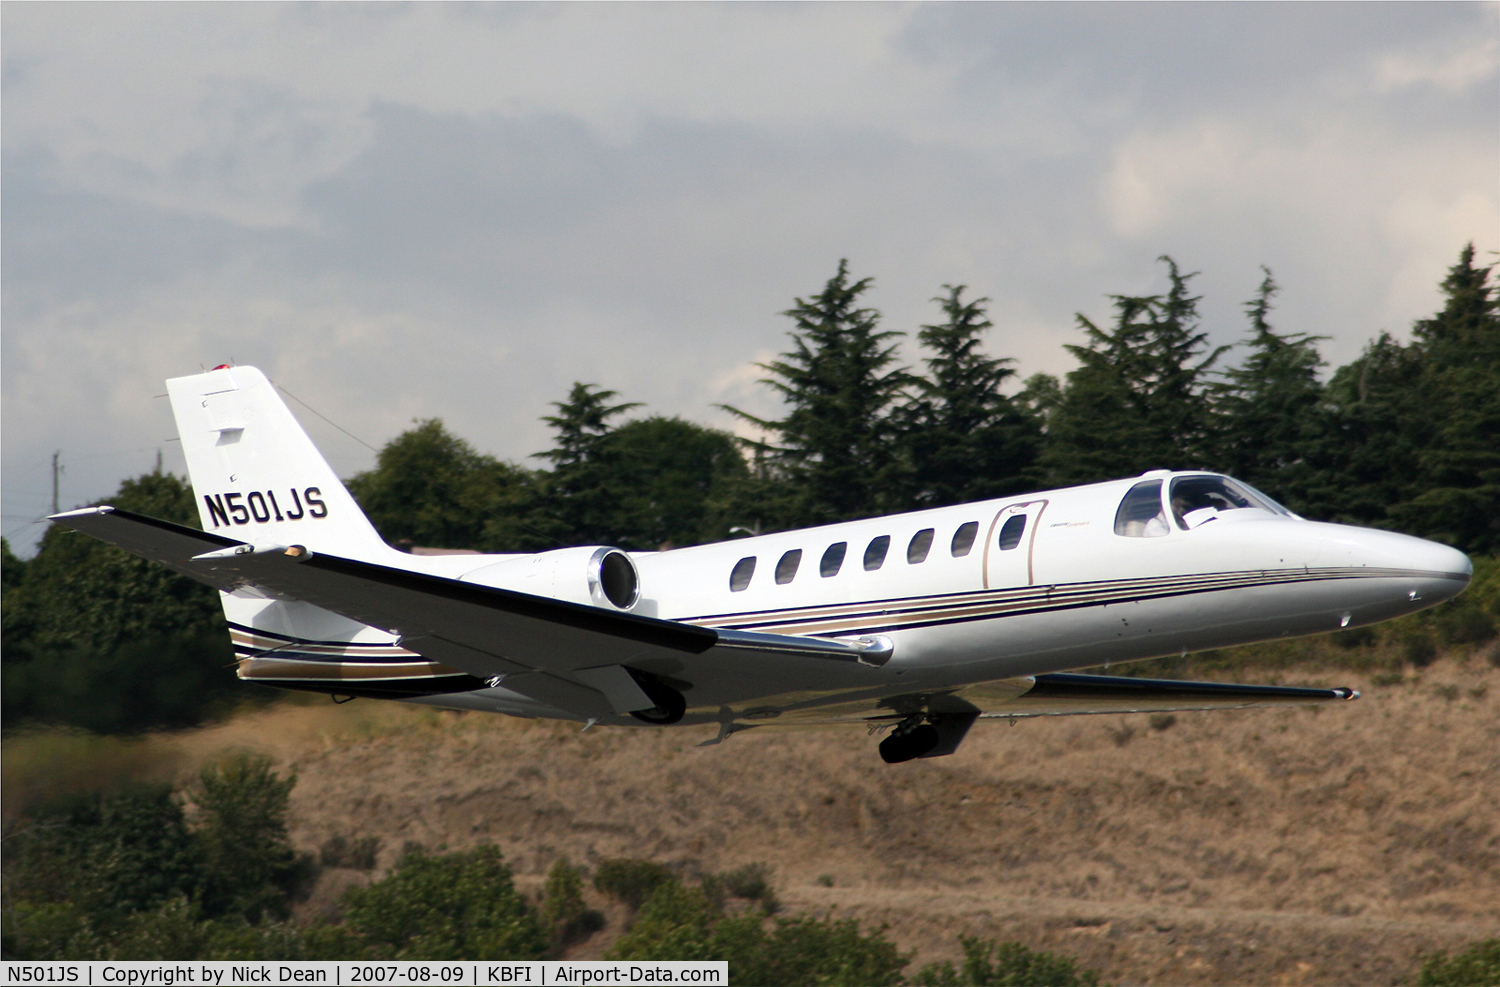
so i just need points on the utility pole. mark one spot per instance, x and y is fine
(56, 469)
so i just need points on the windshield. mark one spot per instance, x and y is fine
(1199, 499)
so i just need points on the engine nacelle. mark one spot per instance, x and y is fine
(596, 575)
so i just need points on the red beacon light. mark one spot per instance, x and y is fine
(222, 366)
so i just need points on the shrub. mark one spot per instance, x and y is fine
(684, 923)
(455, 906)
(632, 881)
(806, 950)
(675, 923)
(1465, 625)
(1419, 649)
(106, 854)
(250, 869)
(340, 851)
(1007, 964)
(563, 914)
(751, 882)
(1477, 966)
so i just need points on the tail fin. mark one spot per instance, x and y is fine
(256, 475)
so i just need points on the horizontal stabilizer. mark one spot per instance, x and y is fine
(173, 545)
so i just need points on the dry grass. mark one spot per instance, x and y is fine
(1273, 846)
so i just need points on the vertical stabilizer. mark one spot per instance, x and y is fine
(256, 475)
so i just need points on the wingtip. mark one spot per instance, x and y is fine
(82, 512)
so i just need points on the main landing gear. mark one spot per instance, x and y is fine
(926, 735)
(910, 739)
(670, 704)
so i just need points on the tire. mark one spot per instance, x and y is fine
(907, 746)
(670, 704)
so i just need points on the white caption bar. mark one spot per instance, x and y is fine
(510, 973)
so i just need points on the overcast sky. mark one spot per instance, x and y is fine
(456, 211)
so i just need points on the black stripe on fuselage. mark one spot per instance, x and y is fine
(929, 611)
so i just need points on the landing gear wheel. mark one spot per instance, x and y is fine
(914, 743)
(670, 704)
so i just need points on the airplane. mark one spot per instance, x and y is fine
(914, 625)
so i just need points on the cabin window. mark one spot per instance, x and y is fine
(1011, 531)
(1199, 499)
(921, 544)
(833, 559)
(875, 553)
(1140, 514)
(787, 567)
(739, 578)
(963, 538)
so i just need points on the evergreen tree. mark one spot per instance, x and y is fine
(1268, 404)
(964, 439)
(1456, 411)
(581, 423)
(1138, 400)
(98, 638)
(431, 488)
(577, 504)
(835, 447)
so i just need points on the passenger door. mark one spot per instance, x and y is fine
(1007, 546)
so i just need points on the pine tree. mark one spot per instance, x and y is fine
(835, 447)
(577, 506)
(1138, 400)
(1456, 413)
(964, 439)
(1267, 405)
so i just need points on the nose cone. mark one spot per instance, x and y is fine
(1455, 568)
(1433, 572)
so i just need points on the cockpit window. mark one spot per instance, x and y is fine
(1140, 514)
(1197, 500)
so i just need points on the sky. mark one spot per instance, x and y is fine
(407, 211)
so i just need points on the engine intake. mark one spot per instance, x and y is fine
(613, 577)
(596, 575)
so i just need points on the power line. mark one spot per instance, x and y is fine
(327, 419)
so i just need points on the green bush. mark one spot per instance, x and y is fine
(122, 874)
(1477, 966)
(632, 881)
(95, 637)
(456, 906)
(249, 867)
(1006, 964)
(107, 854)
(563, 914)
(751, 882)
(683, 923)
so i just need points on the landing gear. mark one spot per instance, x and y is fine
(927, 734)
(670, 704)
(911, 739)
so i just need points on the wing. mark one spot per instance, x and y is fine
(568, 655)
(1063, 694)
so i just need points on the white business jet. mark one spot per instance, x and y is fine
(920, 623)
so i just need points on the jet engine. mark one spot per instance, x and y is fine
(595, 575)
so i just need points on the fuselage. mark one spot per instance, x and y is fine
(1160, 564)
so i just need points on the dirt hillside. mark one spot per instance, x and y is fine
(1298, 846)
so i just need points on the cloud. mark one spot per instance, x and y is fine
(449, 210)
